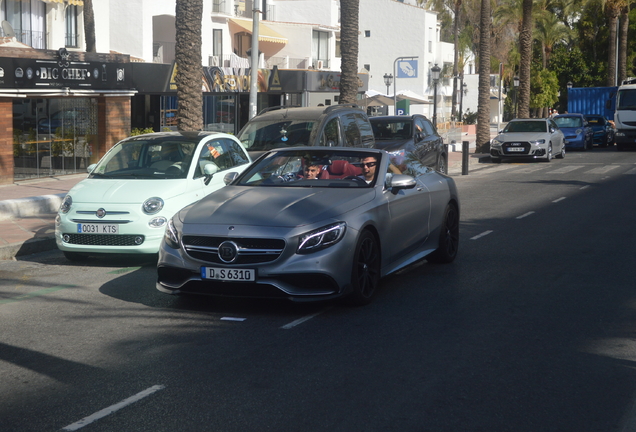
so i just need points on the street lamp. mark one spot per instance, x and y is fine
(388, 80)
(569, 84)
(515, 83)
(463, 90)
(435, 70)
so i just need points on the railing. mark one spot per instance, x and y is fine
(34, 39)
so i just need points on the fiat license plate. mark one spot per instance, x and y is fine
(225, 274)
(97, 228)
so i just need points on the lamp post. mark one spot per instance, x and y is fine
(463, 89)
(515, 83)
(388, 80)
(435, 70)
(570, 84)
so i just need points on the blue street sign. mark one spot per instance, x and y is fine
(407, 69)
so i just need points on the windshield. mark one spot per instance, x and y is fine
(568, 122)
(313, 168)
(626, 99)
(392, 130)
(268, 135)
(147, 159)
(526, 126)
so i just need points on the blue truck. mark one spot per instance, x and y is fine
(593, 100)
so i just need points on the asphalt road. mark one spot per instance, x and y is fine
(533, 328)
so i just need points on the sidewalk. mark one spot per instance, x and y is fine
(28, 207)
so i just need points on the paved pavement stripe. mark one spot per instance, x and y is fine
(602, 170)
(566, 169)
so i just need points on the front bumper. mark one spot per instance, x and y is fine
(320, 275)
(518, 150)
(574, 142)
(625, 138)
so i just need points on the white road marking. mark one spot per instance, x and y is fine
(113, 408)
(565, 169)
(301, 320)
(585, 187)
(232, 319)
(557, 200)
(478, 236)
(602, 170)
(525, 215)
(631, 171)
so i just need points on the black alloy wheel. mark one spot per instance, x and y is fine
(365, 275)
(448, 237)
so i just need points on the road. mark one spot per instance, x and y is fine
(533, 328)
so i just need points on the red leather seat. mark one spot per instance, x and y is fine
(341, 169)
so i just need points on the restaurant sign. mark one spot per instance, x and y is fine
(24, 73)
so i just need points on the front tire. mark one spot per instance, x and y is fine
(562, 154)
(441, 165)
(365, 274)
(448, 245)
(548, 155)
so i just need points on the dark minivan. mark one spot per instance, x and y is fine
(343, 125)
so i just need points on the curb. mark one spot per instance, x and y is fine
(27, 207)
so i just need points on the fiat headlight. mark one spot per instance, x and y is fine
(321, 238)
(67, 202)
(579, 131)
(172, 235)
(152, 205)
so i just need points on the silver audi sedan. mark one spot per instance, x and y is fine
(311, 223)
(529, 138)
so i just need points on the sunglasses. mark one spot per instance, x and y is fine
(368, 164)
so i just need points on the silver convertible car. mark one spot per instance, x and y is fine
(311, 223)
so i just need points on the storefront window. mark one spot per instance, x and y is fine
(53, 136)
(219, 113)
(168, 113)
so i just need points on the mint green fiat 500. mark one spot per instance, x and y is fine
(140, 183)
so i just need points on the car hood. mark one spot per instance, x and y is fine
(522, 136)
(275, 206)
(126, 191)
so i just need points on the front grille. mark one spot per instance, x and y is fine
(508, 145)
(104, 239)
(251, 250)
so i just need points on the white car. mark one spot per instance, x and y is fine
(140, 183)
(528, 138)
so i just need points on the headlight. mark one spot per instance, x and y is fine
(541, 141)
(172, 235)
(321, 238)
(579, 131)
(152, 205)
(157, 222)
(497, 141)
(67, 202)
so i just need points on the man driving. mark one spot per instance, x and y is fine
(368, 165)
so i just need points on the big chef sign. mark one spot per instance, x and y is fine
(63, 72)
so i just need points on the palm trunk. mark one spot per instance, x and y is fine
(458, 4)
(525, 49)
(612, 18)
(483, 108)
(188, 17)
(622, 45)
(89, 26)
(349, 10)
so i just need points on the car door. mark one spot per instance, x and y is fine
(556, 136)
(409, 209)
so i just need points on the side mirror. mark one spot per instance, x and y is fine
(209, 169)
(401, 181)
(90, 168)
(419, 136)
(230, 177)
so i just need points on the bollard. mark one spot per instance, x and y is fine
(464, 157)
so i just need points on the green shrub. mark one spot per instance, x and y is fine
(138, 131)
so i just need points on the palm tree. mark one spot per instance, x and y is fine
(349, 11)
(483, 104)
(622, 44)
(89, 26)
(612, 11)
(458, 9)
(188, 17)
(525, 50)
(550, 30)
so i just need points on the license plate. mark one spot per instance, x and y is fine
(225, 274)
(515, 149)
(98, 228)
